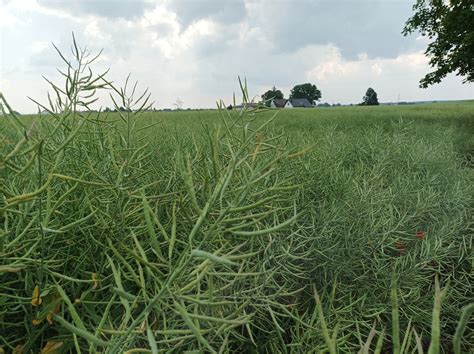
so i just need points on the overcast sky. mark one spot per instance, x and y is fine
(195, 49)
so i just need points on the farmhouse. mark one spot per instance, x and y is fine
(300, 103)
(291, 103)
(278, 102)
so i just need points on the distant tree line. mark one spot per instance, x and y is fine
(313, 94)
(306, 90)
(120, 109)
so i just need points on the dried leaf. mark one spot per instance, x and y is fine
(52, 347)
(56, 310)
(95, 279)
(36, 299)
(36, 321)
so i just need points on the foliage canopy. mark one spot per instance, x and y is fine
(450, 24)
(370, 98)
(306, 90)
(272, 94)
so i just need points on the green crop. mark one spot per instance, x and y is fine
(321, 230)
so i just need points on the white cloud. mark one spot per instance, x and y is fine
(4, 84)
(345, 80)
(38, 47)
(93, 32)
(376, 69)
(7, 19)
(336, 67)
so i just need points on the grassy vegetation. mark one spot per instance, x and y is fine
(318, 230)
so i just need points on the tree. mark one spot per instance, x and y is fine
(271, 94)
(178, 104)
(450, 24)
(307, 90)
(325, 104)
(370, 98)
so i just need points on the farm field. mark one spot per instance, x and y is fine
(299, 230)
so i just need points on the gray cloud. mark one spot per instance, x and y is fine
(365, 26)
(355, 26)
(227, 12)
(372, 27)
(102, 8)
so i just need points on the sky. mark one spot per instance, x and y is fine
(195, 50)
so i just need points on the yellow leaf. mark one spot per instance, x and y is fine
(49, 317)
(36, 299)
(143, 327)
(96, 281)
(299, 153)
(18, 349)
(36, 322)
(51, 347)
(255, 153)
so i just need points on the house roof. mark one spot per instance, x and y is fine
(300, 102)
(279, 102)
